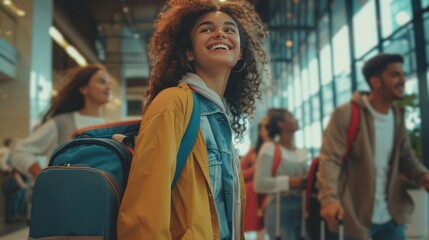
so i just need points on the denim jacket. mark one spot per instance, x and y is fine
(217, 135)
(224, 165)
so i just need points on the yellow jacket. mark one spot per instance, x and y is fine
(150, 209)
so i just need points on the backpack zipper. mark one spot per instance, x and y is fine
(107, 143)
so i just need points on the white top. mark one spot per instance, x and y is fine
(4, 156)
(40, 144)
(293, 163)
(384, 134)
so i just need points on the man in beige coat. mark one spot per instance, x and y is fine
(368, 189)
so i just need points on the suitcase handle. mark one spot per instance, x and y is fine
(340, 229)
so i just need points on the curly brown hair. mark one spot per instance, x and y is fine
(172, 40)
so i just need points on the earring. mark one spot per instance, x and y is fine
(234, 69)
(189, 66)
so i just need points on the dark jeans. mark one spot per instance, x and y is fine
(290, 218)
(386, 231)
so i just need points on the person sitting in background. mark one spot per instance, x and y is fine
(289, 179)
(78, 104)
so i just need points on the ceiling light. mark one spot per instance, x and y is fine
(73, 53)
(289, 43)
(125, 9)
(222, 0)
(12, 7)
(70, 50)
(58, 37)
(20, 13)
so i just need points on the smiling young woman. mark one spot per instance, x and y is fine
(214, 49)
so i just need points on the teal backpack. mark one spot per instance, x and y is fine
(79, 194)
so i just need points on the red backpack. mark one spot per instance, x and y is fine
(312, 204)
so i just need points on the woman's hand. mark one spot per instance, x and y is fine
(297, 182)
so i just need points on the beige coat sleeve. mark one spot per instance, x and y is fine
(334, 147)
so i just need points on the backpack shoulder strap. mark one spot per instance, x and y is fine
(353, 128)
(274, 168)
(188, 139)
(277, 159)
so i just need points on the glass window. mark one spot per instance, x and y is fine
(299, 134)
(342, 65)
(341, 50)
(326, 121)
(402, 43)
(314, 77)
(298, 116)
(326, 65)
(425, 3)
(362, 84)
(307, 113)
(297, 87)
(394, 14)
(299, 138)
(291, 96)
(313, 68)
(302, 13)
(426, 30)
(322, 6)
(328, 99)
(316, 134)
(308, 137)
(315, 102)
(310, 11)
(305, 85)
(364, 26)
(325, 53)
(295, 39)
(343, 88)
(339, 15)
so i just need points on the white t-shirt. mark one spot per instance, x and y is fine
(383, 140)
(4, 157)
(40, 144)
